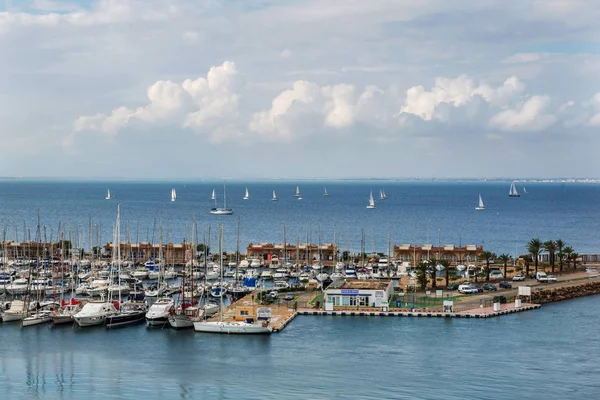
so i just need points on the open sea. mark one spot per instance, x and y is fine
(551, 353)
(414, 212)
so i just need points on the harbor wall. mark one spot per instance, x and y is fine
(565, 293)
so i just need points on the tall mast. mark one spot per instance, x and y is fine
(221, 268)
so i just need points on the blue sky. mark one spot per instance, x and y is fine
(178, 89)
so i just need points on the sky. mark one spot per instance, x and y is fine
(191, 89)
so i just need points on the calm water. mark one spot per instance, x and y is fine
(551, 353)
(415, 212)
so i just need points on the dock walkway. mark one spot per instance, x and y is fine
(481, 312)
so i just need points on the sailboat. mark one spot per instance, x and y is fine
(325, 192)
(213, 197)
(108, 195)
(248, 324)
(513, 191)
(481, 206)
(371, 201)
(525, 190)
(173, 195)
(274, 198)
(298, 195)
(222, 210)
(247, 195)
(382, 195)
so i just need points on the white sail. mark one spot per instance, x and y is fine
(325, 192)
(274, 198)
(371, 201)
(297, 191)
(213, 197)
(108, 195)
(513, 191)
(247, 195)
(481, 206)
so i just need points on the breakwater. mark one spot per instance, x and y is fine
(552, 295)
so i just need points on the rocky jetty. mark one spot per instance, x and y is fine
(565, 293)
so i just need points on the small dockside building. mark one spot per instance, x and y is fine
(359, 293)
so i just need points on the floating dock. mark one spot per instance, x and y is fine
(484, 312)
(283, 314)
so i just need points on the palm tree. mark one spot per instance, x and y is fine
(422, 274)
(567, 251)
(487, 255)
(505, 258)
(533, 247)
(574, 257)
(527, 259)
(432, 272)
(550, 247)
(560, 245)
(446, 264)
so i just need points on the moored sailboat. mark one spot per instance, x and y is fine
(249, 325)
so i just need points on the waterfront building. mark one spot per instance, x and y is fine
(172, 253)
(303, 253)
(357, 293)
(468, 254)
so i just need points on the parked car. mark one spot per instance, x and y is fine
(496, 275)
(489, 286)
(466, 288)
(551, 278)
(505, 285)
(289, 296)
(541, 277)
(477, 288)
(453, 286)
(519, 277)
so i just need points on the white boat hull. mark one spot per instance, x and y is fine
(233, 327)
(90, 320)
(36, 320)
(180, 322)
(14, 316)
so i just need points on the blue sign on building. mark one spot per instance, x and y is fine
(349, 291)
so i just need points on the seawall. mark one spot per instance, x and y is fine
(564, 293)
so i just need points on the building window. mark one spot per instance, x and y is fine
(346, 300)
(244, 312)
(363, 301)
(353, 301)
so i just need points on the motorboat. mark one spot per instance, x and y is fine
(158, 314)
(16, 311)
(95, 313)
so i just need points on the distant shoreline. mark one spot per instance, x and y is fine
(317, 179)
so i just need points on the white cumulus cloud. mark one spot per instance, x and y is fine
(531, 115)
(194, 103)
(456, 92)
